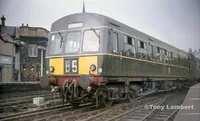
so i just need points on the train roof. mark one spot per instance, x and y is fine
(93, 19)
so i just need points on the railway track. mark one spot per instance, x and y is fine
(46, 112)
(13, 96)
(65, 112)
(92, 113)
(74, 114)
(139, 113)
(163, 115)
(118, 112)
(23, 103)
(89, 112)
(142, 112)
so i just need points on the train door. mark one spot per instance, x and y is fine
(116, 57)
(114, 40)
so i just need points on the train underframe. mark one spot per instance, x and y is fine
(83, 89)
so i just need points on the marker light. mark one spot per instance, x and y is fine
(92, 67)
(51, 68)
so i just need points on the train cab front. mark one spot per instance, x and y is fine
(73, 63)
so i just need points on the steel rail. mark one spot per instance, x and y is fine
(120, 106)
(24, 107)
(20, 94)
(73, 115)
(9, 99)
(170, 117)
(122, 115)
(153, 111)
(32, 113)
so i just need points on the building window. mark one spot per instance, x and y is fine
(32, 50)
(142, 44)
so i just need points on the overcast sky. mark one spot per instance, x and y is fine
(176, 22)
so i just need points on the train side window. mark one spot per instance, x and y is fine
(129, 45)
(159, 53)
(168, 53)
(114, 41)
(165, 58)
(142, 44)
(158, 49)
(171, 54)
(165, 52)
(142, 52)
(129, 40)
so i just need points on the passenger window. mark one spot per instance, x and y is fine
(129, 45)
(171, 54)
(165, 52)
(129, 40)
(158, 50)
(142, 52)
(159, 53)
(142, 44)
(168, 53)
(114, 41)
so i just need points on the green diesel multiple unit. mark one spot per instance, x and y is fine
(94, 57)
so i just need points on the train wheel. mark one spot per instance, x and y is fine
(131, 96)
(105, 99)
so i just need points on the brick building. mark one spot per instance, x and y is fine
(6, 54)
(31, 56)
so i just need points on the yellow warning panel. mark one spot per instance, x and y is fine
(58, 64)
(85, 63)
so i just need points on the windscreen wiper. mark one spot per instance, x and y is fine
(95, 32)
(61, 37)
